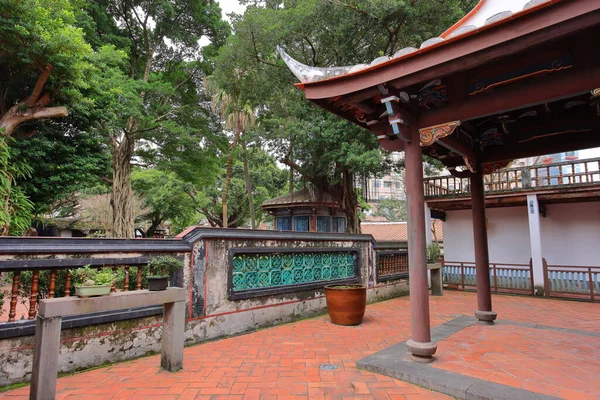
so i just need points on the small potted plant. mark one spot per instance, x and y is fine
(93, 281)
(433, 255)
(160, 270)
(346, 303)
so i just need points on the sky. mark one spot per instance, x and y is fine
(229, 6)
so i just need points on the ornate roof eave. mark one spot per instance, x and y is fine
(322, 84)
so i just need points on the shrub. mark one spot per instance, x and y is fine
(93, 276)
(164, 265)
(433, 253)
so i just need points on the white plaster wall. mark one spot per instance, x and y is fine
(571, 234)
(508, 235)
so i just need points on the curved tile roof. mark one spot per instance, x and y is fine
(486, 12)
(301, 197)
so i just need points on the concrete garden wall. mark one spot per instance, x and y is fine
(211, 313)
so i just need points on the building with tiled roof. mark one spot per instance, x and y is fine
(306, 210)
(395, 234)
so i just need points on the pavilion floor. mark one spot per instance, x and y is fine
(283, 362)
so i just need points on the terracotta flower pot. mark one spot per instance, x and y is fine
(346, 303)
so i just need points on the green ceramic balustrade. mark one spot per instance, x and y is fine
(260, 271)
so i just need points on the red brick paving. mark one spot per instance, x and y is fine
(283, 362)
(554, 363)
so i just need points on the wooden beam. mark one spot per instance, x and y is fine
(553, 87)
(550, 145)
(458, 147)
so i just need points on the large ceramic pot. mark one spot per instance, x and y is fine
(90, 291)
(158, 283)
(346, 303)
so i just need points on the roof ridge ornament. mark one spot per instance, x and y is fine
(306, 73)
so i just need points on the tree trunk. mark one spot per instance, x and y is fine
(350, 203)
(236, 139)
(291, 179)
(32, 108)
(155, 223)
(121, 199)
(248, 186)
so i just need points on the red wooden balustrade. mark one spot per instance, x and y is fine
(35, 292)
(579, 172)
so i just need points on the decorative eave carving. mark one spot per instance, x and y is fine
(489, 168)
(431, 134)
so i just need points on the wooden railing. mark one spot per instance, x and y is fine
(49, 279)
(574, 282)
(504, 278)
(35, 268)
(580, 172)
(391, 264)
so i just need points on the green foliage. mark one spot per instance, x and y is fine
(99, 276)
(268, 181)
(164, 265)
(36, 33)
(323, 148)
(392, 209)
(433, 252)
(64, 160)
(16, 210)
(166, 198)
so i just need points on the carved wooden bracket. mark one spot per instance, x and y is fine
(395, 118)
(430, 134)
(471, 164)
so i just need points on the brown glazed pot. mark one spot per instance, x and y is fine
(346, 303)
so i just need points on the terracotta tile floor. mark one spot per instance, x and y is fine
(555, 363)
(283, 362)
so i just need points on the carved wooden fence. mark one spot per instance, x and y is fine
(579, 172)
(572, 282)
(504, 278)
(36, 268)
(391, 265)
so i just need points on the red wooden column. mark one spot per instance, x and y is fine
(482, 259)
(420, 344)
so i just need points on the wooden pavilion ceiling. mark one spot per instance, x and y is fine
(497, 99)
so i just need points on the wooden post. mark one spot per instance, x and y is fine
(52, 286)
(126, 284)
(482, 261)
(68, 284)
(546, 278)
(34, 294)
(420, 344)
(14, 295)
(139, 278)
(591, 283)
(113, 288)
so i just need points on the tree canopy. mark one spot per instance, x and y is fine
(93, 90)
(318, 146)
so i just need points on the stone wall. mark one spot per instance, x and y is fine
(211, 313)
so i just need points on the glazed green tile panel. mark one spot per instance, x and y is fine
(258, 271)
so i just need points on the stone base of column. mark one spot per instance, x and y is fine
(486, 317)
(421, 352)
